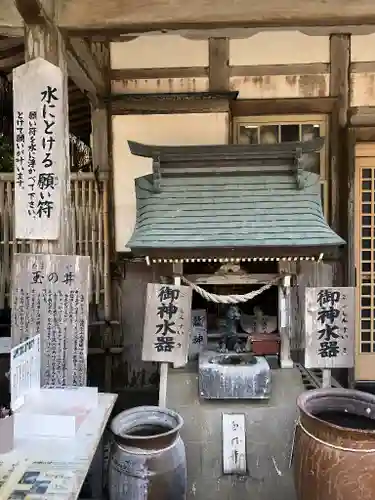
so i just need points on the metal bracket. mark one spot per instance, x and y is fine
(298, 173)
(156, 173)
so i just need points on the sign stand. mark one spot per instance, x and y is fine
(163, 385)
(164, 369)
(50, 297)
(167, 328)
(327, 379)
(329, 329)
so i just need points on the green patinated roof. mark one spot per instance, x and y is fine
(222, 210)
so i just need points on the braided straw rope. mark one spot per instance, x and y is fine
(230, 299)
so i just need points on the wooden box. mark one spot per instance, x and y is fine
(263, 344)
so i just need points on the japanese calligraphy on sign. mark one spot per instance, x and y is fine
(330, 327)
(167, 323)
(39, 149)
(50, 297)
(234, 443)
(198, 337)
(24, 370)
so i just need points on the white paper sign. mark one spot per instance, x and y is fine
(39, 149)
(234, 443)
(24, 370)
(330, 327)
(198, 337)
(167, 324)
(50, 297)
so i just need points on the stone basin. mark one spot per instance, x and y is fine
(233, 359)
(233, 376)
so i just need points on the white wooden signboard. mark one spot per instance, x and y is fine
(39, 149)
(50, 297)
(198, 337)
(234, 443)
(329, 327)
(24, 370)
(167, 324)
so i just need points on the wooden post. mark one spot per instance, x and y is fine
(101, 143)
(285, 323)
(177, 272)
(327, 378)
(163, 385)
(218, 71)
(41, 40)
(339, 87)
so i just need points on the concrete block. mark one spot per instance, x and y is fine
(233, 376)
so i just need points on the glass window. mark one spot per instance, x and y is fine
(276, 129)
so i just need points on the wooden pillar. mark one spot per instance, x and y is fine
(101, 144)
(218, 71)
(339, 87)
(43, 40)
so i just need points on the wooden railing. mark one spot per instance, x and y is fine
(89, 229)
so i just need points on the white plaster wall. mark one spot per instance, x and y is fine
(161, 51)
(363, 47)
(363, 89)
(280, 86)
(279, 47)
(160, 85)
(363, 83)
(174, 129)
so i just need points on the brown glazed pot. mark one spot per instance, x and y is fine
(332, 462)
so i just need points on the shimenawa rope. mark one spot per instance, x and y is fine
(230, 299)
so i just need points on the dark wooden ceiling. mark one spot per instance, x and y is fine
(11, 56)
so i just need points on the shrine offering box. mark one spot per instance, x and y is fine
(44, 412)
(263, 344)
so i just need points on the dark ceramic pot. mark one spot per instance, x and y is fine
(148, 459)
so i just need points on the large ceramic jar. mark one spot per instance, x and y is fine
(334, 448)
(148, 460)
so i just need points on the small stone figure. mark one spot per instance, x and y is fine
(230, 340)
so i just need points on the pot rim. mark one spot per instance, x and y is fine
(142, 412)
(322, 393)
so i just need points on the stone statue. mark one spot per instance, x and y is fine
(230, 340)
(258, 322)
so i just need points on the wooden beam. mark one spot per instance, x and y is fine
(11, 43)
(82, 66)
(218, 69)
(131, 16)
(364, 134)
(203, 71)
(81, 50)
(123, 105)
(307, 105)
(362, 116)
(8, 63)
(156, 73)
